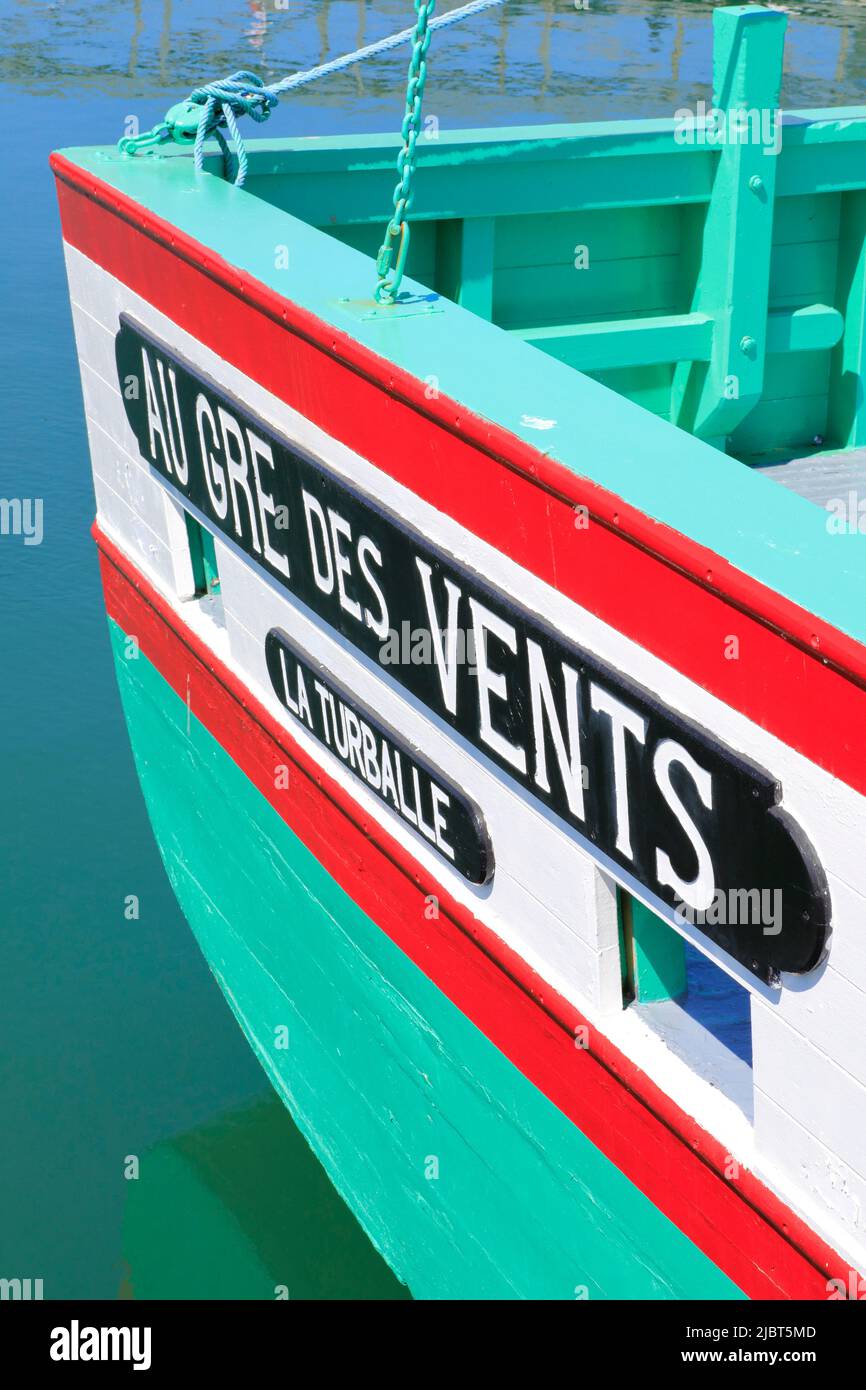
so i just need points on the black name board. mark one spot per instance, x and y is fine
(653, 795)
(384, 762)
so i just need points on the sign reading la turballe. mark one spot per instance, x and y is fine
(641, 788)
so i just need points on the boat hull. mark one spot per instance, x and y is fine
(637, 567)
(468, 1179)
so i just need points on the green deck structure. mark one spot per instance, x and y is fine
(711, 282)
(617, 249)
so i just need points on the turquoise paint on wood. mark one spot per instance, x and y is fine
(476, 265)
(848, 398)
(464, 262)
(734, 279)
(636, 342)
(382, 1073)
(633, 342)
(202, 554)
(814, 328)
(658, 955)
(471, 172)
(535, 239)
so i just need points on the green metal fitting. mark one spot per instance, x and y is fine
(183, 121)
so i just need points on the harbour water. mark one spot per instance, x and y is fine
(115, 1044)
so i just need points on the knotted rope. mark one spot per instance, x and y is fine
(216, 106)
(243, 94)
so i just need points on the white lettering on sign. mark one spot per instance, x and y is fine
(651, 795)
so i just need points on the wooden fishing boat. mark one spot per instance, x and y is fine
(493, 657)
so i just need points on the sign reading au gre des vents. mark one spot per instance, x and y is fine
(639, 786)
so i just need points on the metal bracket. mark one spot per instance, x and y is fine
(407, 306)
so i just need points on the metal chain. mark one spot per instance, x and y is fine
(397, 231)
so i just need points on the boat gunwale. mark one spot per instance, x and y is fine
(555, 140)
(830, 642)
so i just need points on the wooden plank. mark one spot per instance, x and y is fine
(634, 342)
(550, 294)
(545, 169)
(476, 266)
(651, 174)
(629, 342)
(836, 1192)
(796, 374)
(610, 234)
(655, 172)
(807, 217)
(804, 272)
(822, 478)
(821, 167)
(814, 328)
(647, 386)
(791, 423)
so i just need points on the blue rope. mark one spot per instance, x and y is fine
(217, 105)
(300, 79)
(243, 94)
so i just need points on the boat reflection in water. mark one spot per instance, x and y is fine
(240, 1208)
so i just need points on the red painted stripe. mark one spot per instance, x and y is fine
(671, 595)
(741, 1226)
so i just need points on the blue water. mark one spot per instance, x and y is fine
(112, 1035)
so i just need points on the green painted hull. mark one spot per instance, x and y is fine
(466, 1178)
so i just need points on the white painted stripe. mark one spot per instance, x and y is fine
(817, 1184)
(810, 1087)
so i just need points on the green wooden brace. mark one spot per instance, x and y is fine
(734, 276)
